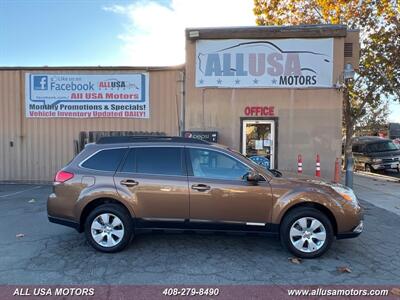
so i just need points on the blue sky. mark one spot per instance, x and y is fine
(54, 32)
(102, 32)
(111, 32)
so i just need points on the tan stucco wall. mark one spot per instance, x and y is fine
(309, 120)
(43, 146)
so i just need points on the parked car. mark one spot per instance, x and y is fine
(397, 142)
(119, 186)
(372, 153)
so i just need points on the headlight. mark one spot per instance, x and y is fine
(346, 193)
(377, 160)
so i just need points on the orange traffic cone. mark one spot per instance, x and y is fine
(318, 167)
(336, 176)
(299, 164)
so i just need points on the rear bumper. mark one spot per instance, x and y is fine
(352, 234)
(65, 222)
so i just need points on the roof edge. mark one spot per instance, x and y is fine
(254, 32)
(94, 68)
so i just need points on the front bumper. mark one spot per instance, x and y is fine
(352, 234)
(385, 166)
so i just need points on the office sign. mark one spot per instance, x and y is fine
(259, 111)
(50, 95)
(279, 63)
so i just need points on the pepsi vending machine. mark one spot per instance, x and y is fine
(209, 136)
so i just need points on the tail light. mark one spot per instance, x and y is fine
(63, 176)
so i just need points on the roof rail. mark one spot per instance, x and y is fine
(148, 138)
(369, 138)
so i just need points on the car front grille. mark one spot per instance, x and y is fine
(390, 160)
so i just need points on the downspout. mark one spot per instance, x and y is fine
(181, 125)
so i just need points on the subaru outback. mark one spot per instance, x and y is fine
(120, 186)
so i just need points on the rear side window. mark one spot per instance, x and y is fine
(105, 160)
(159, 160)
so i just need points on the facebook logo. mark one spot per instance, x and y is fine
(40, 82)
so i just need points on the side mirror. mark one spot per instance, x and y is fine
(253, 177)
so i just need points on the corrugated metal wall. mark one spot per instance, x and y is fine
(33, 149)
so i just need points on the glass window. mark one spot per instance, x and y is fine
(159, 160)
(381, 147)
(129, 164)
(216, 165)
(105, 160)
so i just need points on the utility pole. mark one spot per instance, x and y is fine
(348, 74)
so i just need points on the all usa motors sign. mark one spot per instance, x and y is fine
(279, 63)
(87, 96)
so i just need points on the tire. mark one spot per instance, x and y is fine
(289, 236)
(114, 237)
(369, 169)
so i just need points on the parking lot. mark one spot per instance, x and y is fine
(34, 251)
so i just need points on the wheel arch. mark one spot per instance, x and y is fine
(96, 203)
(326, 211)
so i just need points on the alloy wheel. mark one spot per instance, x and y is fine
(107, 230)
(307, 234)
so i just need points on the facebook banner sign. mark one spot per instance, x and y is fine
(87, 96)
(280, 63)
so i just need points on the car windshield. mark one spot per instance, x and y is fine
(381, 147)
(252, 163)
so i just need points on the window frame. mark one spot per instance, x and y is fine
(80, 165)
(135, 148)
(190, 168)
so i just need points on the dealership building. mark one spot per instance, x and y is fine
(273, 92)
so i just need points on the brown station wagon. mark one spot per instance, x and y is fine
(119, 186)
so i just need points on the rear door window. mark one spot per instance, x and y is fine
(105, 160)
(159, 160)
(129, 164)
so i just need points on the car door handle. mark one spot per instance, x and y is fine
(201, 187)
(129, 182)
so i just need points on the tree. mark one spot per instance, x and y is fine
(378, 76)
(373, 120)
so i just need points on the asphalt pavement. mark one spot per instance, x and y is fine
(34, 251)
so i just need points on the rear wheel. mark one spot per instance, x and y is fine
(306, 232)
(108, 228)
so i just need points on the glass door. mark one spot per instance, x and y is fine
(258, 140)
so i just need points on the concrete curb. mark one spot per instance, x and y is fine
(377, 176)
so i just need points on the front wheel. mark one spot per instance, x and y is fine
(108, 228)
(306, 232)
(368, 168)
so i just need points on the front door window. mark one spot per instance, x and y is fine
(216, 165)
